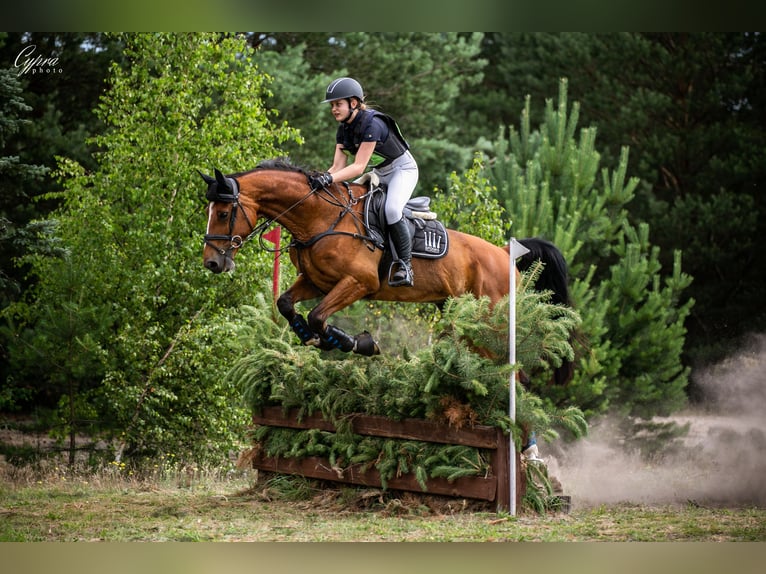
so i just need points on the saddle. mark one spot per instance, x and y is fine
(429, 236)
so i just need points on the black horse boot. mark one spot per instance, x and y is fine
(400, 237)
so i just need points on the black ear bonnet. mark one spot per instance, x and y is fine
(221, 188)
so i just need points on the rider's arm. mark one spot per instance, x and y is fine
(342, 172)
(338, 160)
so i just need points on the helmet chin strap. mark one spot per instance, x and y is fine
(351, 112)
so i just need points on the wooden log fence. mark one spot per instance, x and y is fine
(494, 488)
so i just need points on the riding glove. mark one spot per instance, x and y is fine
(321, 180)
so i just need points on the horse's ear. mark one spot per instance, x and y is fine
(221, 179)
(207, 178)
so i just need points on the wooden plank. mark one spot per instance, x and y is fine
(501, 469)
(274, 416)
(479, 436)
(319, 468)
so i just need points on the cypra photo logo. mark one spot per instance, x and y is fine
(27, 62)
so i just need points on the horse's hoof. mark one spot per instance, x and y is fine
(366, 345)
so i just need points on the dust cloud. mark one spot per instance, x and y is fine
(720, 462)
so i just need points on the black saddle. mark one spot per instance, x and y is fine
(429, 236)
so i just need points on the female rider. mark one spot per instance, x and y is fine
(368, 137)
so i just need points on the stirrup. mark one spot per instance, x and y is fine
(403, 276)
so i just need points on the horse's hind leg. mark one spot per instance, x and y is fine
(301, 290)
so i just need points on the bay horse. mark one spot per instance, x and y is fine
(337, 259)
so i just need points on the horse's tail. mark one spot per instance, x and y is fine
(553, 278)
(554, 275)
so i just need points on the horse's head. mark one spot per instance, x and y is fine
(227, 222)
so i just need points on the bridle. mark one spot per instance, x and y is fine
(235, 241)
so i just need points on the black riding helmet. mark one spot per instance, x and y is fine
(344, 88)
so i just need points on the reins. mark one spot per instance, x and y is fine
(346, 208)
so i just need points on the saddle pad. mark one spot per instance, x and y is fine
(430, 239)
(429, 236)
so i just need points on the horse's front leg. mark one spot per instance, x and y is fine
(301, 290)
(345, 292)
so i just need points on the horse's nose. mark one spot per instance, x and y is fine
(213, 265)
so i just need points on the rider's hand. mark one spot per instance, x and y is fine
(320, 180)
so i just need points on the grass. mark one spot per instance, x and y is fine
(216, 507)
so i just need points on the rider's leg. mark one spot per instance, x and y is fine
(400, 237)
(401, 177)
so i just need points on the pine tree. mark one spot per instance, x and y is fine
(16, 177)
(18, 235)
(633, 321)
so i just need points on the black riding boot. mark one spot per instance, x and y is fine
(400, 236)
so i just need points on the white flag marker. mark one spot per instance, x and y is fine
(516, 251)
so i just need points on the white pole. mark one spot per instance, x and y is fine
(516, 250)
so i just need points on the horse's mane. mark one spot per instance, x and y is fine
(282, 164)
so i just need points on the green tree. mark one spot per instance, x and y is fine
(470, 204)
(633, 319)
(701, 146)
(132, 230)
(58, 118)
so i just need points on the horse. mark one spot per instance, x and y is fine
(339, 259)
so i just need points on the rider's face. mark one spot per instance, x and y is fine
(340, 110)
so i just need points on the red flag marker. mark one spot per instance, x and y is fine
(275, 236)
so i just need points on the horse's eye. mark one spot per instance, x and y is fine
(223, 215)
